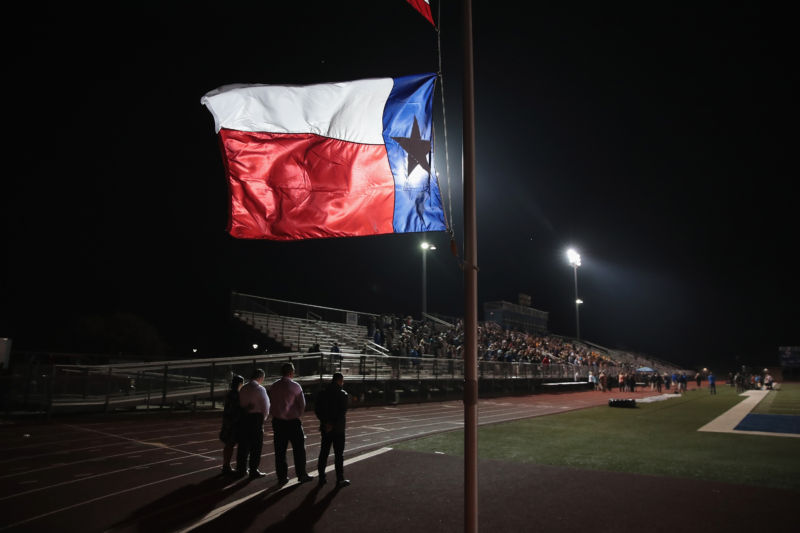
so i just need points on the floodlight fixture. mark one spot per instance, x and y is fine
(573, 257)
(425, 247)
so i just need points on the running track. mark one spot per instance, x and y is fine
(122, 472)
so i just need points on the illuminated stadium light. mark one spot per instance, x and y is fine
(574, 259)
(425, 247)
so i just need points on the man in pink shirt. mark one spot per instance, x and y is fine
(255, 407)
(288, 403)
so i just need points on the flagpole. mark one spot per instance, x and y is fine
(470, 285)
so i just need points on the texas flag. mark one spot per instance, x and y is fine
(424, 7)
(330, 160)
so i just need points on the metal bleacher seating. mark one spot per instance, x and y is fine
(299, 334)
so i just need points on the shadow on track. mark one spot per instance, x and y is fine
(305, 515)
(181, 506)
(244, 515)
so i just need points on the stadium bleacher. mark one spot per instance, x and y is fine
(432, 337)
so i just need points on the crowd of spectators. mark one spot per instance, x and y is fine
(405, 337)
(750, 380)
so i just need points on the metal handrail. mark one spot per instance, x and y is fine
(187, 363)
(158, 384)
(303, 304)
(437, 320)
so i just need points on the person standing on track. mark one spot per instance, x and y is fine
(231, 415)
(712, 383)
(255, 405)
(288, 405)
(331, 410)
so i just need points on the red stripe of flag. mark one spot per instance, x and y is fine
(423, 7)
(290, 186)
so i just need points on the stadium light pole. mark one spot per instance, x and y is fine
(425, 247)
(574, 259)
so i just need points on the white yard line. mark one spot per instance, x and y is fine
(727, 421)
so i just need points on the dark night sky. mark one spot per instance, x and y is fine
(656, 140)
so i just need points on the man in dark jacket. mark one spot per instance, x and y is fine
(331, 409)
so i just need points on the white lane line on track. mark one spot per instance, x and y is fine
(528, 414)
(436, 423)
(96, 447)
(513, 414)
(111, 473)
(131, 489)
(219, 511)
(405, 419)
(138, 453)
(45, 441)
(159, 444)
(103, 497)
(139, 467)
(423, 433)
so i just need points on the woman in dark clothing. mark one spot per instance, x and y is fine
(230, 418)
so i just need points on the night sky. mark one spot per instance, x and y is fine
(654, 139)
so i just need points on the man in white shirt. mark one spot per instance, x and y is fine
(255, 406)
(288, 403)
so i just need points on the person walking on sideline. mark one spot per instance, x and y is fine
(288, 405)
(712, 383)
(255, 406)
(231, 415)
(331, 410)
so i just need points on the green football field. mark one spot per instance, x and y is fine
(784, 401)
(659, 438)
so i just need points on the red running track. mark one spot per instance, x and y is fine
(119, 472)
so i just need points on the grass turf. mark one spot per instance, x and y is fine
(784, 401)
(659, 438)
